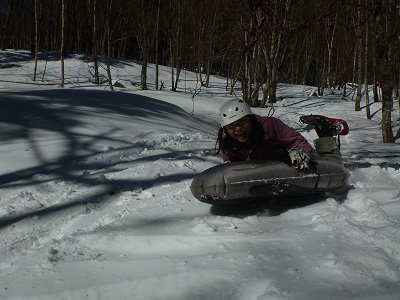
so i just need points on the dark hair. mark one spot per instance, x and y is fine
(228, 144)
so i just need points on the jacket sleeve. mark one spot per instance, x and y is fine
(286, 136)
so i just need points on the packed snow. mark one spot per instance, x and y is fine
(95, 200)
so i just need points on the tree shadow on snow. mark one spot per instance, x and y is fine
(397, 136)
(67, 113)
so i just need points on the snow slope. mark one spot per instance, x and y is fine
(95, 200)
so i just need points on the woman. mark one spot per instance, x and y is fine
(245, 136)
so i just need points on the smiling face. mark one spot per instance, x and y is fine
(240, 129)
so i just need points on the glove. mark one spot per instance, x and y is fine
(299, 159)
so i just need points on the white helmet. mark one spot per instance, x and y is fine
(232, 111)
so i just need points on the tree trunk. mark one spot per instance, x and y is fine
(62, 50)
(95, 44)
(143, 74)
(385, 44)
(271, 88)
(171, 64)
(359, 53)
(387, 131)
(247, 73)
(36, 38)
(359, 75)
(108, 29)
(3, 29)
(330, 47)
(366, 52)
(375, 87)
(144, 38)
(156, 43)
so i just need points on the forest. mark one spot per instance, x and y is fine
(328, 44)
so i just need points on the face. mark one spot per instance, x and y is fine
(240, 129)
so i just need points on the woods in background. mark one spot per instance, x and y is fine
(324, 43)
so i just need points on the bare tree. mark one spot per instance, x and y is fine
(143, 36)
(366, 59)
(386, 16)
(62, 48)
(5, 14)
(109, 32)
(358, 54)
(113, 13)
(156, 34)
(36, 38)
(95, 42)
(175, 25)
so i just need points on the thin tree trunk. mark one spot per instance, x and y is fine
(95, 45)
(330, 47)
(359, 75)
(109, 48)
(359, 54)
(144, 48)
(156, 43)
(387, 69)
(171, 63)
(366, 52)
(62, 50)
(36, 38)
(387, 131)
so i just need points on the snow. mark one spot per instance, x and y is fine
(95, 200)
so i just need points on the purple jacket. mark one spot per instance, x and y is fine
(279, 138)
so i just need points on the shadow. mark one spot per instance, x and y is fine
(274, 206)
(368, 154)
(72, 117)
(25, 115)
(376, 112)
(366, 165)
(103, 193)
(11, 57)
(397, 136)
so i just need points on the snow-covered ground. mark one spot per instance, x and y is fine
(95, 200)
